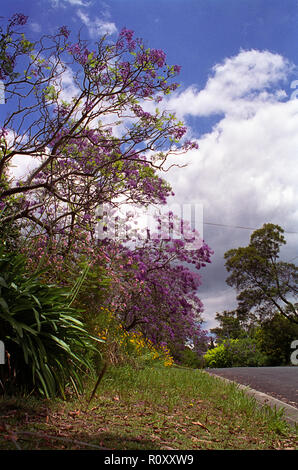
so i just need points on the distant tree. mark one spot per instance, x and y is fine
(230, 326)
(264, 283)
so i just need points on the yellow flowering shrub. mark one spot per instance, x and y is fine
(120, 344)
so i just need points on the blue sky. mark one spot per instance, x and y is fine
(239, 63)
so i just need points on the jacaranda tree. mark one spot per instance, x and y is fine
(93, 144)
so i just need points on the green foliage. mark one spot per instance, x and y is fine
(217, 357)
(235, 353)
(230, 326)
(274, 339)
(123, 347)
(47, 345)
(190, 358)
(263, 282)
(89, 292)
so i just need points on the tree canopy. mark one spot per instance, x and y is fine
(264, 283)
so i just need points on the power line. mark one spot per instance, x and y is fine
(240, 226)
(292, 259)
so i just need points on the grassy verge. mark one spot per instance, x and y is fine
(148, 408)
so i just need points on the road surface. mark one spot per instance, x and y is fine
(278, 382)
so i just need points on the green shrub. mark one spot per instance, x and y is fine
(235, 353)
(217, 357)
(274, 338)
(190, 358)
(47, 346)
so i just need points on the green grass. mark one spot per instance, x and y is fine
(148, 408)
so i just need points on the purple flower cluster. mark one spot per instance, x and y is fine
(18, 19)
(158, 57)
(74, 49)
(179, 132)
(3, 132)
(126, 36)
(160, 292)
(80, 53)
(154, 56)
(62, 110)
(139, 112)
(189, 145)
(177, 68)
(64, 31)
(125, 70)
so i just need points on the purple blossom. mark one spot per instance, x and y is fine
(179, 132)
(173, 86)
(126, 35)
(124, 70)
(83, 59)
(18, 19)
(64, 31)
(3, 132)
(139, 112)
(74, 49)
(177, 68)
(188, 144)
(157, 56)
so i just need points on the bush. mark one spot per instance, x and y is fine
(47, 346)
(217, 357)
(274, 338)
(123, 347)
(235, 353)
(191, 358)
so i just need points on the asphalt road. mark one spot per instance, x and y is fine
(278, 382)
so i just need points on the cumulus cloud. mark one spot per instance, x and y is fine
(253, 155)
(64, 3)
(238, 86)
(96, 27)
(245, 172)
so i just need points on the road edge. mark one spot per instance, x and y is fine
(290, 412)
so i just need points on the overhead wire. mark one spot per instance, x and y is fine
(240, 226)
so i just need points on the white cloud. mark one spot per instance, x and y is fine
(214, 304)
(96, 27)
(238, 86)
(78, 3)
(36, 27)
(247, 163)
(245, 171)
(22, 166)
(67, 85)
(250, 157)
(64, 3)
